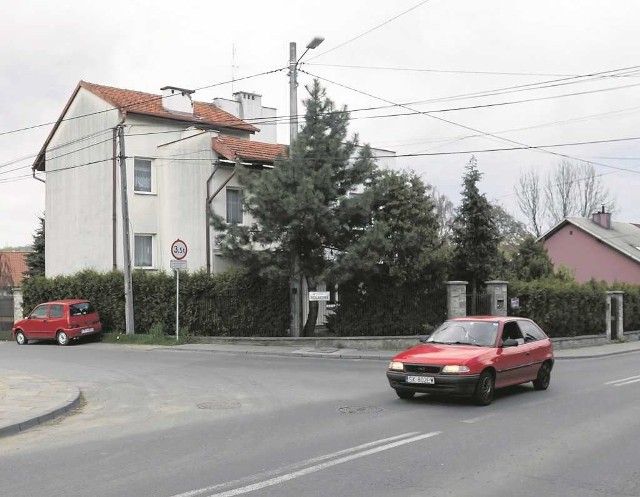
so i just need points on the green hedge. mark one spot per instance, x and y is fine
(566, 309)
(387, 312)
(229, 304)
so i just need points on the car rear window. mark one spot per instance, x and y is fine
(81, 309)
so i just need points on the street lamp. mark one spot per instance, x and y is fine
(295, 281)
(293, 84)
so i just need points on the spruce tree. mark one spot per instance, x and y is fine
(303, 208)
(35, 259)
(475, 234)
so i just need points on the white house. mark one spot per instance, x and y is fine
(180, 157)
(180, 160)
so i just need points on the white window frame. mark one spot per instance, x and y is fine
(240, 198)
(152, 236)
(151, 176)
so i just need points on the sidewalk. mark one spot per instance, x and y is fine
(28, 400)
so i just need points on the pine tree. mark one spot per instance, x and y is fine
(401, 246)
(35, 259)
(302, 208)
(475, 234)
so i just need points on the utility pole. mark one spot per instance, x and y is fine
(295, 278)
(126, 240)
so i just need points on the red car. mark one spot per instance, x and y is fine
(472, 356)
(62, 320)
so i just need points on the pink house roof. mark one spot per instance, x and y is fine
(12, 267)
(621, 237)
(148, 104)
(236, 148)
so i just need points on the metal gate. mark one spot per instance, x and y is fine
(6, 312)
(478, 304)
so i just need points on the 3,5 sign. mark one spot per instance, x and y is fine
(179, 249)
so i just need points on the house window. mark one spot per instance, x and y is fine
(142, 175)
(143, 251)
(234, 206)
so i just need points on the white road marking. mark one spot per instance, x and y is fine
(624, 381)
(317, 464)
(475, 420)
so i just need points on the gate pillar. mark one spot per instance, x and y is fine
(456, 299)
(497, 290)
(615, 315)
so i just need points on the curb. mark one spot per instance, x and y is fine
(43, 418)
(596, 356)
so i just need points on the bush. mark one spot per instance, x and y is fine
(387, 312)
(234, 303)
(566, 308)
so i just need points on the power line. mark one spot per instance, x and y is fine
(443, 71)
(370, 30)
(453, 123)
(134, 104)
(451, 71)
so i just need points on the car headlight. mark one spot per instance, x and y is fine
(396, 366)
(455, 369)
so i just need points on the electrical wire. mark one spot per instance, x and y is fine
(140, 102)
(453, 123)
(370, 30)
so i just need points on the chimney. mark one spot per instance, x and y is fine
(602, 218)
(177, 100)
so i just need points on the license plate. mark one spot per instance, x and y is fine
(87, 330)
(429, 380)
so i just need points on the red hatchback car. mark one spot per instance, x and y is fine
(62, 320)
(472, 356)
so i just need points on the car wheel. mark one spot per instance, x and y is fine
(21, 339)
(403, 394)
(544, 377)
(62, 338)
(485, 389)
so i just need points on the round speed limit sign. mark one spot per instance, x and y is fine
(179, 249)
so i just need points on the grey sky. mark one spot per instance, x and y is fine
(47, 47)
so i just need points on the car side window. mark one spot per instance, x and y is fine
(511, 330)
(531, 332)
(39, 312)
(55, 312)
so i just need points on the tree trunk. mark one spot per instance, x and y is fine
(312, 317)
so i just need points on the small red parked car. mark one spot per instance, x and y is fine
(472, 356)
(62, 320)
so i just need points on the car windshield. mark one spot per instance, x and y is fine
(81, 309)
(478, 333)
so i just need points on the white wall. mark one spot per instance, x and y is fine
(78, 195)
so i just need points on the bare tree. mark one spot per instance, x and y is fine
(591, 192)
(571, 189)
(561, 192)
(444, 212)
(529, 202)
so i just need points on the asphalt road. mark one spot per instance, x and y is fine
(169, 423)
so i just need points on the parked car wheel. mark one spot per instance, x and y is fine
(484, 389)
(544, 377)
(21, 339)
(62, 338)
(403, 394)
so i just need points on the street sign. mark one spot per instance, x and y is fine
(179, 249)
(180, 264)
(315, 296)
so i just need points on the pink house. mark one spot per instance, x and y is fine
(596, 248)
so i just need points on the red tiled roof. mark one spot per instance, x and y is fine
(12, 267)
(235, 148)
(136, 102)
